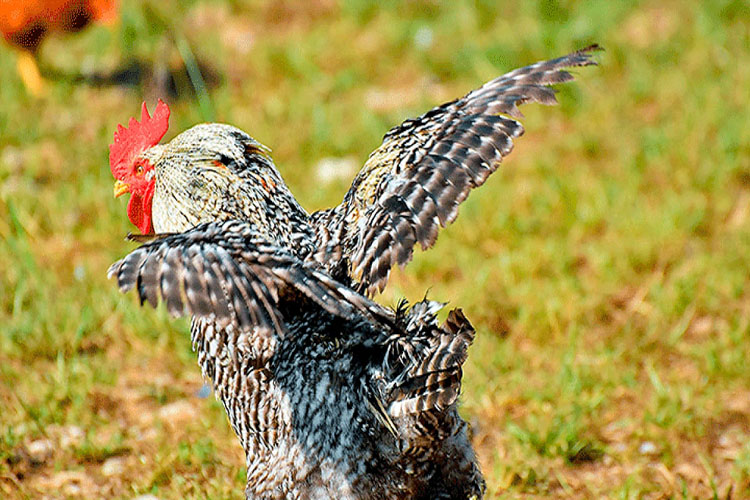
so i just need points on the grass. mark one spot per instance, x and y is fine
(605, 265)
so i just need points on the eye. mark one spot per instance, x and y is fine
(139, 170)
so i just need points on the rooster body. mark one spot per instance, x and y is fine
(308, 403)
(331, 394)
(309, 406)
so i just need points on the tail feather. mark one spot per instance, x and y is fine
(433, 379)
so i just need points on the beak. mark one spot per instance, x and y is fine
(121, 188)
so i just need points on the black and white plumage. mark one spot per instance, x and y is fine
(413, 183)
(331, 394)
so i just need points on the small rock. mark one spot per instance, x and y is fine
(71, 435)
(40, 450)
(71, 489)
(724, 440)
(113, 466)
(79, 273)
(647, 448)
(423, 38)
(146, 497)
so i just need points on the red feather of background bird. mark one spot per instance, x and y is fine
(26, 22)
(137, 137)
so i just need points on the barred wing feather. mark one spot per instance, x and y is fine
(227, 271)
(413, 183)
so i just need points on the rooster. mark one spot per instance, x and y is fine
(331, 394)
(25, 23)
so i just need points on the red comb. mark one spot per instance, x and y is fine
(139, 136)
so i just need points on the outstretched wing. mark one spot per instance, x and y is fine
(228, 272)
(413, 183)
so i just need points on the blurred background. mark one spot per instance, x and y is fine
(605, 265)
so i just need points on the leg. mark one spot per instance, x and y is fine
(29, 72)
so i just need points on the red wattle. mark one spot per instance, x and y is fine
(139, 210)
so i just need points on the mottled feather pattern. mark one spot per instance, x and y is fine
(216, 171)
(413, 183)
(431, 377)
(253, 333)
(229, 272)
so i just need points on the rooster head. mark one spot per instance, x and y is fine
(133, 171)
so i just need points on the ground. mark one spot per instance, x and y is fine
(605, 265)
